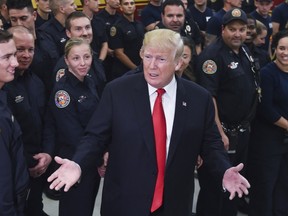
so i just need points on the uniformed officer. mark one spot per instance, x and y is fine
(73, 101)
(26, 99)
(109, 15)
(173, 17)
(227, 70)
(54, 29)
(79, 25)
(14, 177)
(126, 40)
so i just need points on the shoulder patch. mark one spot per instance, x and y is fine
(62, 99)
(60, 73)
(113, 31)
(209, 67)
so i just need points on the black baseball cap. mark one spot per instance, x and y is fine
(234, 14)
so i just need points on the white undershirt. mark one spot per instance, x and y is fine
(168, 101)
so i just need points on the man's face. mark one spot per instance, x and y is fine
(43, 5)
(159, 66)
(234, 34)
(251, 30)
(114, 4)
(93, 5)
(25, 50)
(68, 7)
(80, 27)
(23, 17)
(173, 17)
(8, 62)
(127, 7)
(263, 8)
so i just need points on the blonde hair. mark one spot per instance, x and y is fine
(75, 42)
(164, 39)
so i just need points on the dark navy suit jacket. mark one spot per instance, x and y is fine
(123, 124)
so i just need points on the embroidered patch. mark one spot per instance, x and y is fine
(236, 13)
(113, 31)
(60, 73)
(62, 99)
(209, 67)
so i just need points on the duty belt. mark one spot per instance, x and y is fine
(242, 127)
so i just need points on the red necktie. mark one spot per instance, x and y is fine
(159, 124)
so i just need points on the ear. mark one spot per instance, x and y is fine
(34, 14)
(68, 33)
(141, 53)
(178, 64)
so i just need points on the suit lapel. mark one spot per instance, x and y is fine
(179, 119)
(143, 111)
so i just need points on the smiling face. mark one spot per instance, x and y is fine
(8, 61)
(281, 53)
(80, 27)
(24, 43)
(79, 60)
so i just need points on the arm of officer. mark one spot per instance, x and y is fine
(225, 139)
(66, 175)
(234, 182)
(119, 53)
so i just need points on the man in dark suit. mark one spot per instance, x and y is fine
(123, 124)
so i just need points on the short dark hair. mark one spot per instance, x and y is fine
(172, 3)
(72, 16)
(277, 37)
(20, 4)
(5, 36)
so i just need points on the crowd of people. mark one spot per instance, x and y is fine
(143, 103)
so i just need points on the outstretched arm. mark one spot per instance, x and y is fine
(66, 175)
(234, 182)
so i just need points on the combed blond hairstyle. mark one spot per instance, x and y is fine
(72, 42)
(164, 39)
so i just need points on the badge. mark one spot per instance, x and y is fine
(209, 67)
(19, 99)
(60, 73)
(236, 13)
(233, 65)
(113, 31)
(62, 99)
(188, 28)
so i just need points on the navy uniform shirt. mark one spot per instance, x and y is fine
(229, 79)
(26, 99)
(201, 18)
(150, 14)
(99, 34)
(71, 106)
(214, 25)
(96, 73)
(129, 36)
(14, 177)
(280, 15)
(54, 31)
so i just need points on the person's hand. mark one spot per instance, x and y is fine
(44, 160)
(102, 169)
(234, 182)
(66, 175)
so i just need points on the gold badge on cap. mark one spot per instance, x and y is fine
(209, 67)
(62, 99)
(60, 73)
(236, 13)
(113, 31)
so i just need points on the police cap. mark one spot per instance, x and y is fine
(234, 14)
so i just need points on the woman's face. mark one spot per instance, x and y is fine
(260, 39)
(186, 58)
(79, 60)
(281, 52)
